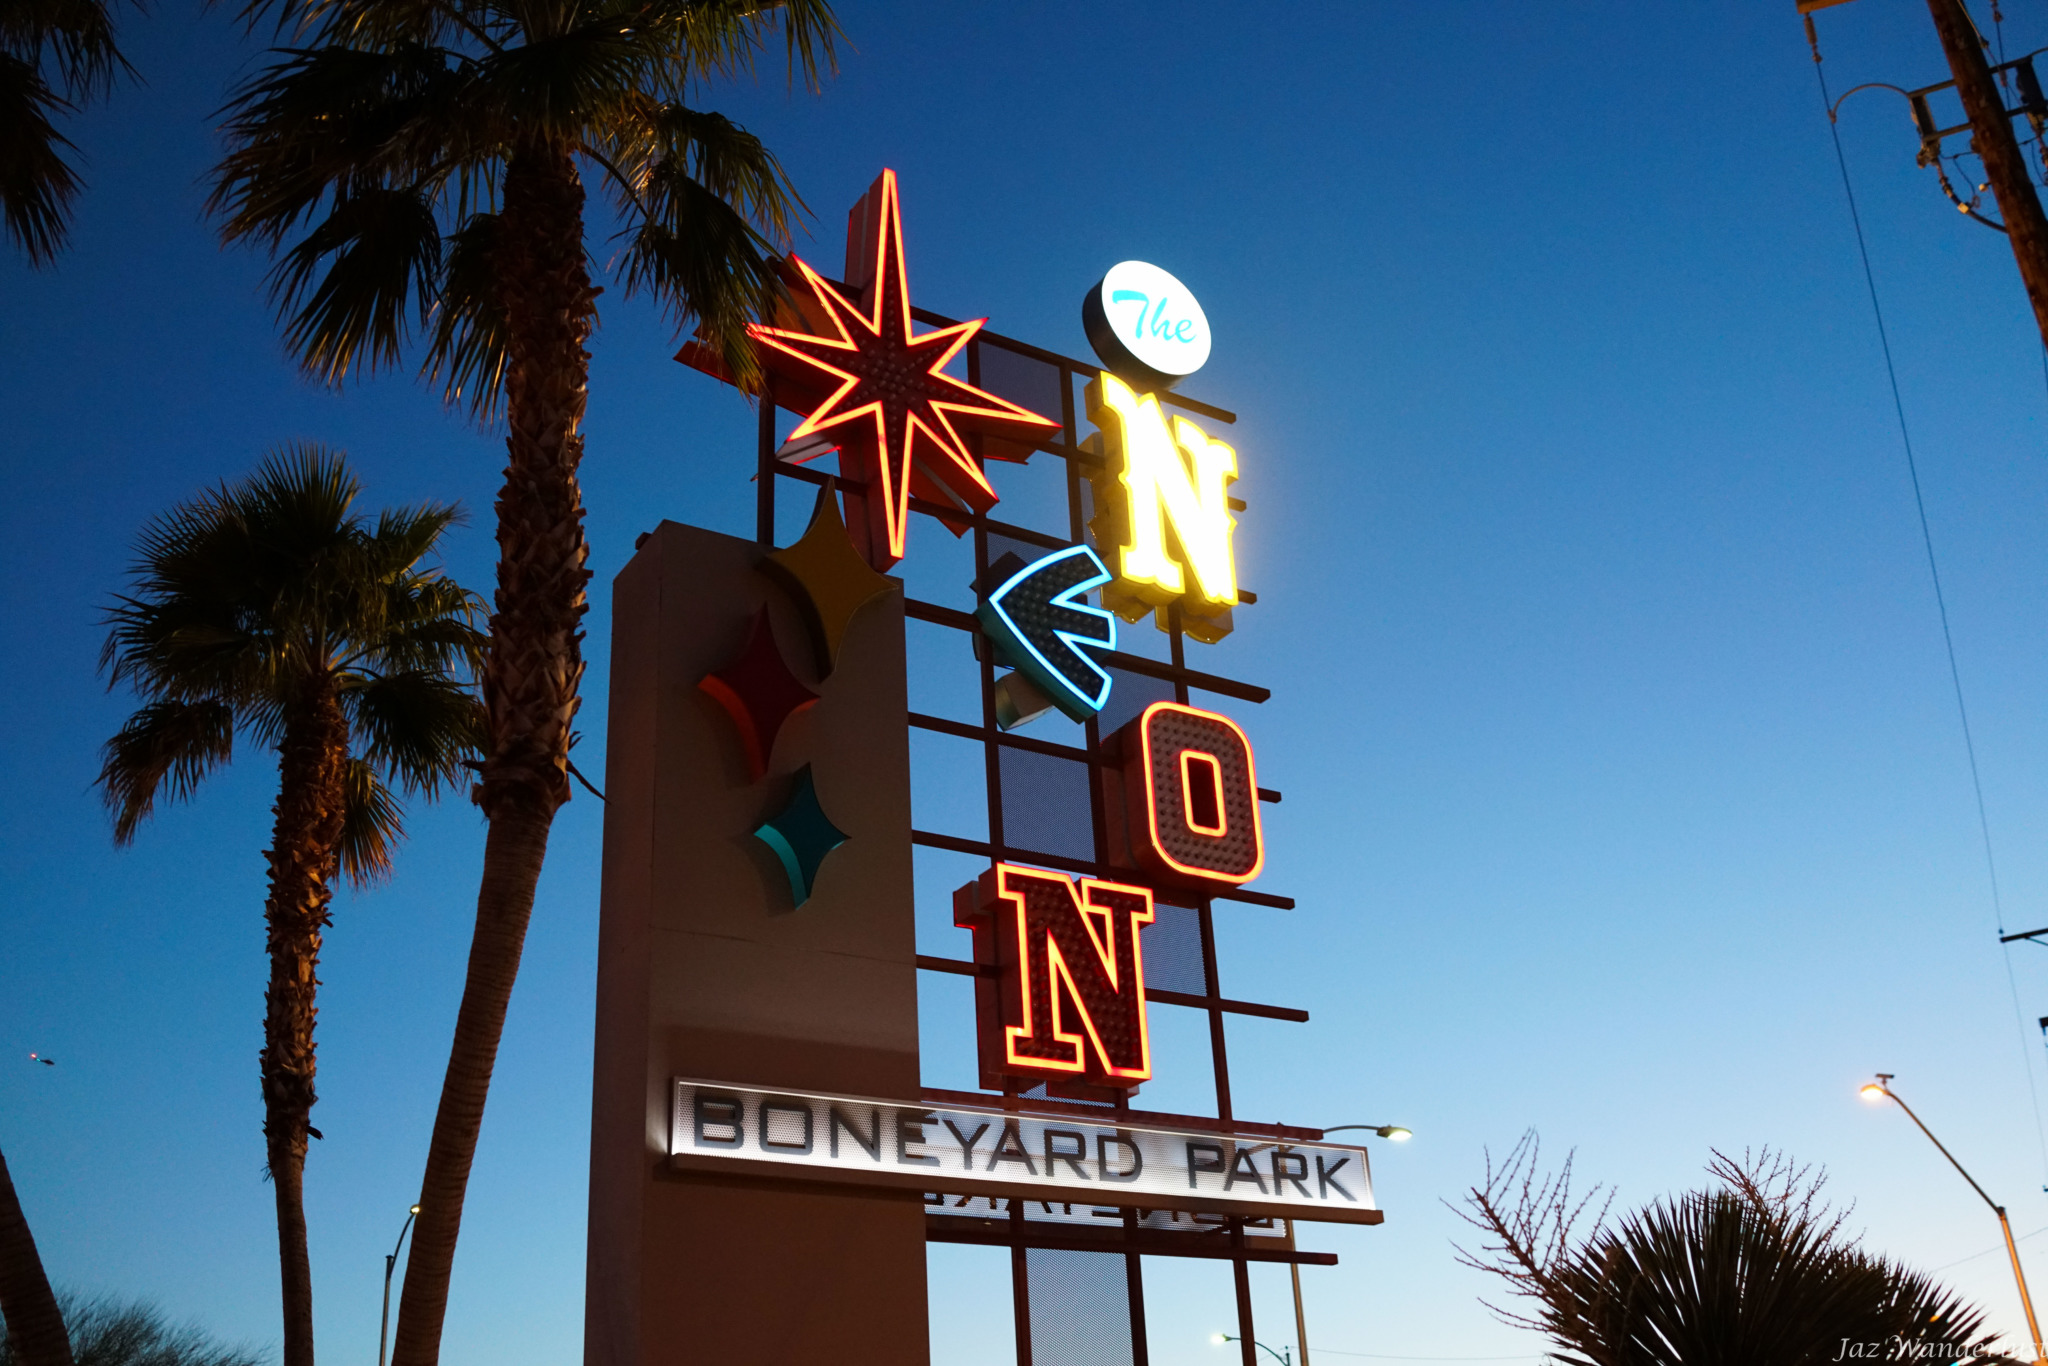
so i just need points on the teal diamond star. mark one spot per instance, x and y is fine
(801, 834)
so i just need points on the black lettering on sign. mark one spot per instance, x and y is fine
(910, 1129)
(714, 1111)
(1243, 1168)
(870, 1143)
(1136, 1159)
(1214, 1164)
(1010, 1148)
(1290, 1168)
(1071, 1156)
(967, 1142)
(1326, 1179)
(784, 1106)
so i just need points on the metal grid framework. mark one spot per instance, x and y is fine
(1044, 1255)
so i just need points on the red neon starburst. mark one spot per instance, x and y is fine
(896, 418)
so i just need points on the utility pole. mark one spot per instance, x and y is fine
(2005, 169)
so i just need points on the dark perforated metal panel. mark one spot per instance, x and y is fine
(1021, 379)
(1046, 804)
(1080, 1308)
(1130, 694)
(1173, 949)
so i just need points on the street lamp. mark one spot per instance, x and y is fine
(1881, 1090)
(1281, 1356)
(1393, 1131)
(1389, 1131)
(384, 1323)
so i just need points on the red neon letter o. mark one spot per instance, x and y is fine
(1194, 796)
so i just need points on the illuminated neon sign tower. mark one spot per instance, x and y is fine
(768, 1163)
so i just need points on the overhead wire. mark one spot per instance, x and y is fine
(1995, 1247)
(1940, 598)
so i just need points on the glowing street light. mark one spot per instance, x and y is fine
(1881, 1090)
(384, 1324)
(1393, 1132)
(1283, 1357)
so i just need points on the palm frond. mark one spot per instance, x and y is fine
(37, 185)
(75, 37)
(166, 749)
(723, 38)
(403, 537)
(252, 599)
(381, 251)
(323, 123)
(556, 86)
(466, 355)
(697, 255)
(418, 726)
(720, 155)
(810, 32)
(372, 826)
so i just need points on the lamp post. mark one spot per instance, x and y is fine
(1280, 1357)
(384, 1323)
(1881, 1090)
(1398, 1135)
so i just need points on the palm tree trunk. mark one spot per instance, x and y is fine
(529, 684)
(305, 838)
(35, 1326)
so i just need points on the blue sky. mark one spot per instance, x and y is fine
(1625, 794)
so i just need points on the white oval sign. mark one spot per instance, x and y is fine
(1141, 313)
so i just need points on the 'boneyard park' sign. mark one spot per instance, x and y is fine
(767, 1161)
(985, 1150)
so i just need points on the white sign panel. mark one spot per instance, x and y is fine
(1140, 313)
(976, 1151)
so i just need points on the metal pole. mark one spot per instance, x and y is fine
(1250, 1343)
(2004, 166)
(1300, 1323)
(384, 1320)
(2012, 1249)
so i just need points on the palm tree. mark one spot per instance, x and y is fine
(418, 166)
(1757, 1272)
(269, 609)
(34, 1322)
(54, 56)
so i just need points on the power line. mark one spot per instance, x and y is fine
(1996, 1247)
(1940, 598)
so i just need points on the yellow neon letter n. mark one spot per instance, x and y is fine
(1158, 476)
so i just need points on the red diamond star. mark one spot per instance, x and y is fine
(895, 417)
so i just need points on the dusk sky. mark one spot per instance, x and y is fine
(1625, 794)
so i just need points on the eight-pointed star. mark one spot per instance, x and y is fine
(896, 417)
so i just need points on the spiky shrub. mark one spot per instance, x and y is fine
(109, 1332)
(1754, 1272)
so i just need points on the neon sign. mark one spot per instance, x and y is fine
(1042, 627)
(1158, 476)
(878, 390)
(1189, 813)
(1146, 325)
(1067, 1003)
